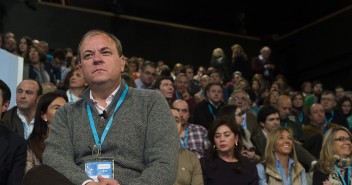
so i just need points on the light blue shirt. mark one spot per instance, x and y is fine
(140, 85)
(280, 169)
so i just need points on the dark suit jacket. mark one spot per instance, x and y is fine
(13, 122)
(202, 115)
(251, 120)
(13, 154)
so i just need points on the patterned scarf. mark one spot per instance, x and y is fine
(341, 163)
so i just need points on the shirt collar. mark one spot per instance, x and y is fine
(291, 162)
(108, 100)
(23, 117)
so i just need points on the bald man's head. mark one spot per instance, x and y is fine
(284, 105)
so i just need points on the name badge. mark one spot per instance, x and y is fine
(101, 167)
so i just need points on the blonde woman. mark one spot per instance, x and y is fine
(334, 165)
(280, 165)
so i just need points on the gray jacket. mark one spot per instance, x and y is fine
(142, 139)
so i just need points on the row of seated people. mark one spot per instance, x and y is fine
(188, 132)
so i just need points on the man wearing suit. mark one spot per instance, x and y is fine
(13, 148)
(20, 118)
(269, 119)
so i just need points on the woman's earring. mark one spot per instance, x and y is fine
(214, 147)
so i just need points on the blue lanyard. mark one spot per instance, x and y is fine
(25, 135)
(300, 117)
(70, 96)
(177, 95)
(285, 124)
(185, 143)
(99, 142)
(341, 177)
(332, 117)
(211, 111)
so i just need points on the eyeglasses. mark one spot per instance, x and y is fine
(343, 139)
(237, 98)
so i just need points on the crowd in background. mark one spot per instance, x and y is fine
(237, 114)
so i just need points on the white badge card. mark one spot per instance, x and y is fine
(100, 167)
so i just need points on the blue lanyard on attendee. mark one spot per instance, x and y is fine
(285, 124)
(70, 96)
(332, 117)
(341, 177)
(211, 111)
(185, 143)
(25, 133)
(177, 95)
(300, 117)
(99, 142)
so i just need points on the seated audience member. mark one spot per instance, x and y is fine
(236, 76)
(215, 77)
(224, 163)
(272, 98)
(57, 69)
(313, 132)
(193, 84)
(284, 105)
(240, 98)
(192, 137)
(332, 115)
(182, 92)
(200, 72)
(76, 85)
(23, 45)
(334, 165)
(128, 79)
(166, 86)
(146, 76)
(133, 67)
(306, 88)
(248, 150)
(189, 170)
(176, 70)
(299, 109)
(315, 96)
(316, 125)
(136, 139)
(46, 108)
(205, 111)
(280, 164)
(339, 92)
(345, 106)
(203, 82)
(20, 118)
(269, 120)
(34, 66)
(12, 147)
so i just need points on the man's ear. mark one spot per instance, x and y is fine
(5, 106)
(37, 100)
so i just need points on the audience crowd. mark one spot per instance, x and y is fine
(239, 121)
